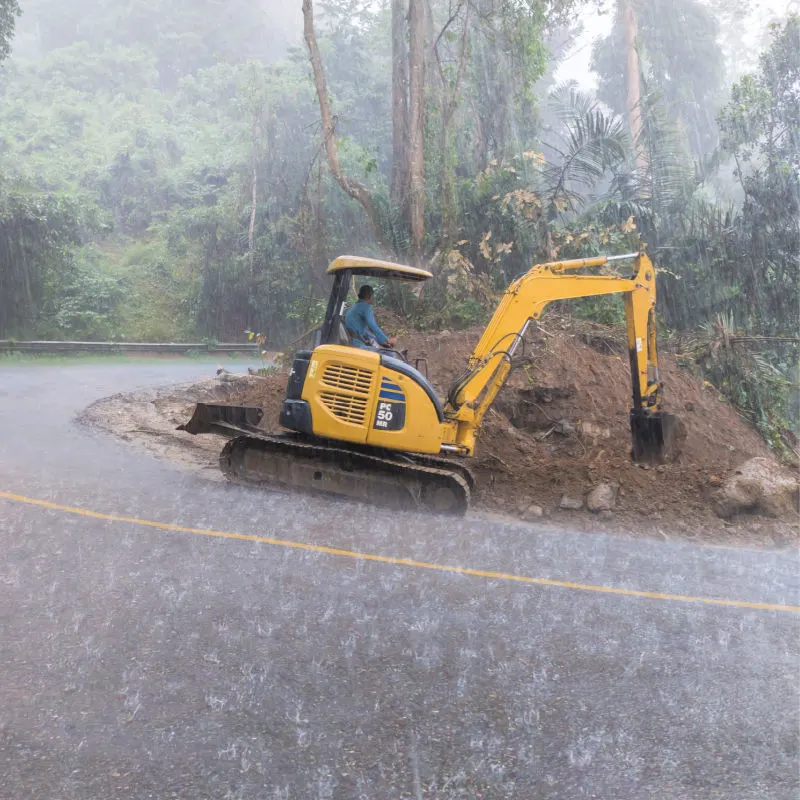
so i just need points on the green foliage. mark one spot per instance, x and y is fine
(183, 36)
(174, 172)
(743, 260)
(465, 313)
(517, 211)
(9, 11)
(265, 372)
(761, 128)
(168, 181)
(157, 294)
(758, 383)
(586, 237)
(497, 203)
(161, 142)
(36, 234)
(460, 295)
(87, 301)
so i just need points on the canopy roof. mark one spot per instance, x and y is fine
(374, 268)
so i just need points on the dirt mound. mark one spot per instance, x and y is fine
(558, 428)
(150, 417)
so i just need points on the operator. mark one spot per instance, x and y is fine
(360, 323)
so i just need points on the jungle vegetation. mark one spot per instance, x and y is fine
(187, 171)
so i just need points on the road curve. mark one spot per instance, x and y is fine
(238, 647)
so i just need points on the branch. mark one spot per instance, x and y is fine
(462, 62)
(355, 189)
(792, 339)
(447, 25)
(452, 100)
(739, 173)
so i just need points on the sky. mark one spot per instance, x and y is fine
(576, 65)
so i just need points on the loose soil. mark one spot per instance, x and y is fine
(558, 427)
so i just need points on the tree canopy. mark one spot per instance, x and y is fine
(9, 10)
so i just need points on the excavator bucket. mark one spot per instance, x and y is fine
(224, 420)
(656, 436)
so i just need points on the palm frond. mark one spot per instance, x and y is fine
(670, 174)
(567, 101)
(588, 143)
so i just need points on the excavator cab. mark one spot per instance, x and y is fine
(356, 395)
(344, 269)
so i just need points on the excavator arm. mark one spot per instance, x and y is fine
(473, 393)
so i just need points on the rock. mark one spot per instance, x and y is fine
(606, 515)
(758, 486)
(589, 430)
(533, 512)
(570, 503)
(564, 427)
(603, 497)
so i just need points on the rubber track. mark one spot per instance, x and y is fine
(447, 464)
(423, 474)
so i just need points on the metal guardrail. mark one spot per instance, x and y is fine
(11, 346)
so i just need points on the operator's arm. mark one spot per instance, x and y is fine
(373, 326)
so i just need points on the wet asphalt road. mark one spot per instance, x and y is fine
(142, 663)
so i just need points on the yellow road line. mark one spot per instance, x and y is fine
(404, 562)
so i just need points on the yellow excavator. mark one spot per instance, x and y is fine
(366, 424)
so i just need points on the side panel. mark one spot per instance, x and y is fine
(403, 416)
(341, 389)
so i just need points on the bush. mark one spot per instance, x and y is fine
(87, 300)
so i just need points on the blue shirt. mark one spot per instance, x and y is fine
(361, 320)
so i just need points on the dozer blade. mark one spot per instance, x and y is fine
(656, 436)
(226, 421)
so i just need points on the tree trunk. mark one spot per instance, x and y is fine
(449, 104)
(355, 189)
(416, 160)
(480, 149)
(399, 187)
(552, 253)
(252, 230)
(634, 84)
